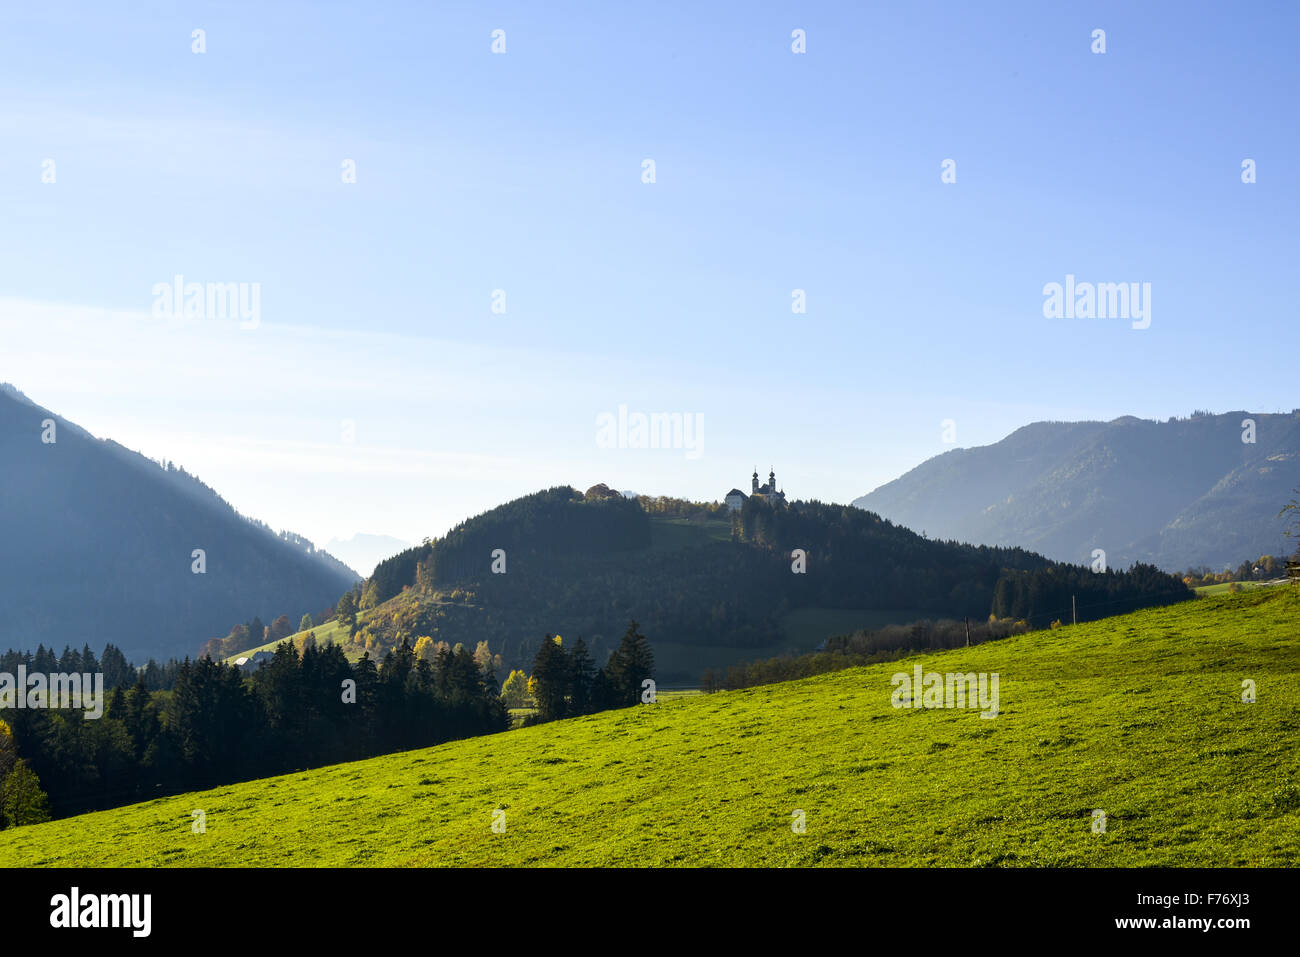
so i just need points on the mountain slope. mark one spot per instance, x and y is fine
(1139, 716)
(99, 542)
(1177, 494)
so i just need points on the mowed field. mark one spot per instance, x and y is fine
(1140, 717)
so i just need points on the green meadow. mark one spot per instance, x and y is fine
(1140, 717)
(1223, 588)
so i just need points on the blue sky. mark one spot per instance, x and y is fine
(380, 393)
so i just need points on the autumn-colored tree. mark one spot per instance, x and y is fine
(515, 692)
(8, 750)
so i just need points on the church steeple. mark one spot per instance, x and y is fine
(756, 480)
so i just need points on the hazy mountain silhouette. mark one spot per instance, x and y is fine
(98, 546)
(1178, 494)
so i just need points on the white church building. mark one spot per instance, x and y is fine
(735, 499)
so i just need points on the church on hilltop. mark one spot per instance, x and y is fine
(735, 499)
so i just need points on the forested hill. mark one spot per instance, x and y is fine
(703, 582)
(1186, 493)
(99, 547)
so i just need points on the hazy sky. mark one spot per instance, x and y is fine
(379, 392)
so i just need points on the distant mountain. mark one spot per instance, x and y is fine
(363, 552)
(98, 546)
(1178, 494)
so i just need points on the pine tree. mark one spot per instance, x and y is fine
(347, 612)
(631, 663)
(581, 675)
(551, 678)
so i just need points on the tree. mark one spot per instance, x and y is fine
(582, 672)
(280, 629)
(370, 596)
(306, 624)
(551, 680)
(631, 663)
(515, 691)
(8, 752)
(21, 799)
(1292, 510)
(347, 612)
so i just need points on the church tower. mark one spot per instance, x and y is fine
(756, 481)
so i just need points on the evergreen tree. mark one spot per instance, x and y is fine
(631, 663)
(347, 612)
(582, 674)
(551, 680)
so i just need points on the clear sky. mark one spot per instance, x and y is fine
(379, 391)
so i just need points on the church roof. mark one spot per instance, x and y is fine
(734, 491)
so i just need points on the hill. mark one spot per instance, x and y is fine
(1139, 716)
(99, 541)
(708, 587)
(1178, 494)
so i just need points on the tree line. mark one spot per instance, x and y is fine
(217, 725)
(567, 683)
(888, 643)
(1060, 591)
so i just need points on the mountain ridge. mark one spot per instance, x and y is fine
(1179, 494)
(100, 542)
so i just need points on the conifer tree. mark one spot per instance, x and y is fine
(551, 680)
(581, 676)
(631, 663)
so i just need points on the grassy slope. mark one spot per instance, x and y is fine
(1139, 715)
(1222, 587)
(326, 634)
